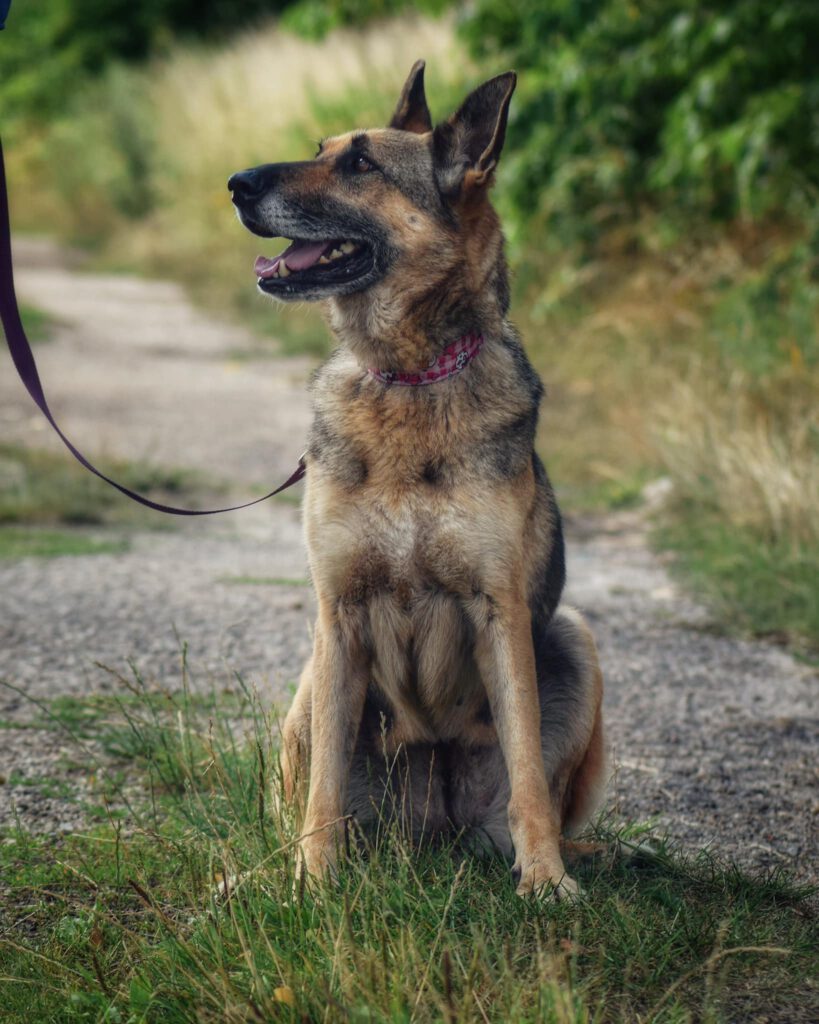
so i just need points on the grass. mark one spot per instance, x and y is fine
(36, 542)
(41, 488)
(39, 326)
(121, 922)
(50, 506)
(768, 589)
(702, 368)
(49, 787)
(263, 581)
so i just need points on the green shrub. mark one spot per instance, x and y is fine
(698, 105)
(315, 18)
(48, 45)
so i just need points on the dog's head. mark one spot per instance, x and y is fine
(390, 210)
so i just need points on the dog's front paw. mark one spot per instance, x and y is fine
(317, 856)
(542, 879)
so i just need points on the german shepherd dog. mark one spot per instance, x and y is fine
(445, 682)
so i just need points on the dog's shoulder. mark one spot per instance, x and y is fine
(520, 373)
(335, 388)
(339, 365)
(509, 393)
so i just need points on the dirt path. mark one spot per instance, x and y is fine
(716, 738)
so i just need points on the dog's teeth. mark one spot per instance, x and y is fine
(347, 247)
(336, 254)
(284, 270)
(323, 259)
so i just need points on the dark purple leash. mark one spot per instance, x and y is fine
(23, 358)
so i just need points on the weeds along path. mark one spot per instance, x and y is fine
(713, 737)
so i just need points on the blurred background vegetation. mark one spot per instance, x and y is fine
(659, 191)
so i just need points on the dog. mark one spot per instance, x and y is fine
(446, 684)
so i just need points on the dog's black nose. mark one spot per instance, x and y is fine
(247, 185)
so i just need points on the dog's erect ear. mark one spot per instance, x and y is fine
(412, 112)
(467, 146)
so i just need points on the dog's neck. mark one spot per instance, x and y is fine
(403, 332)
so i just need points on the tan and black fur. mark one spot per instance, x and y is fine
(446, 682)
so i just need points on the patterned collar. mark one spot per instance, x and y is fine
(451, 361)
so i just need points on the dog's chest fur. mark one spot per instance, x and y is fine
(418, 507)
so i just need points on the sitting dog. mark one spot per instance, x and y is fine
(446, 684)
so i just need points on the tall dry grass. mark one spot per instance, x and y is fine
(754, 470)
(701, 364)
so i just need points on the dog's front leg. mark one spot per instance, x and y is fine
(506, 661)
(340, 678)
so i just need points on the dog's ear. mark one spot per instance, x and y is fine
(412, 112)
(467, 146)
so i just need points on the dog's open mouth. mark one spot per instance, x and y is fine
(306, 263)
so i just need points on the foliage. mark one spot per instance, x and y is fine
(770, 319)
(698, 363)
(33, 74)
(124, 921)
(49, 47)
(315, 18)
(699, 105)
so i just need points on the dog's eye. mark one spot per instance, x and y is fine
(361, 165)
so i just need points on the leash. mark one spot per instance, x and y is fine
(23, 359)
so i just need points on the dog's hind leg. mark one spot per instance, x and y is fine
(570, 684)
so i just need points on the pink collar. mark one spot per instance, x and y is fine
(451, 361)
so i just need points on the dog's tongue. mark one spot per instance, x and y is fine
(297, 256)
(301, 255)
(265, 267)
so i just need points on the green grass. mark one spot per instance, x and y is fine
(288, 498)
(263, 581)
(47, 785)
(38, 488)
(36, 542)
(763, 587)
(303, 332)
(121, 923)
(623, 491)
(39, 326)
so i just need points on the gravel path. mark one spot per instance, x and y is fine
(715, 738)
